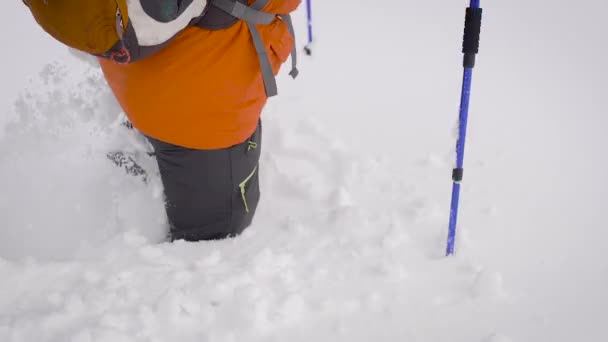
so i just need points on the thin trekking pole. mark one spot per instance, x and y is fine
(308, 47)
(470, 48)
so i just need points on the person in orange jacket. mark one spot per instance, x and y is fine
(189, 74)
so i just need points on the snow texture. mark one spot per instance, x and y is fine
(349, 239)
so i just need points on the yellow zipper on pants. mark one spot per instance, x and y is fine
(242, 186)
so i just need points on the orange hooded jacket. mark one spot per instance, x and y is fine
(205, 89)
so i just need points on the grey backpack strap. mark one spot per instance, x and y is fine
(253, 15)
(294, 53)
(270, 83)
(244, 12)
(259, 4)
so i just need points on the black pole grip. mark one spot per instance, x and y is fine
(472, 32)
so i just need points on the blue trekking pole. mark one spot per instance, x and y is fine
(470, 48)
(308, 47)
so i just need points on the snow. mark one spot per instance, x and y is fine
(349, 239)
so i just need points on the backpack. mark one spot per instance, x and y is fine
(126, 31)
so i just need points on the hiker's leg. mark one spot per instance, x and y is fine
(210, 194)
(246, 182)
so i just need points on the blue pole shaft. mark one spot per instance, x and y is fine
(460, 145)
(460, 148)
(309, 12)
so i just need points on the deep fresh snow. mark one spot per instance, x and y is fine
(348, 242)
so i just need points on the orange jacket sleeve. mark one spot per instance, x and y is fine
(282, 6)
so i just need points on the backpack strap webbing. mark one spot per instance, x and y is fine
(244, 12)
(294, 53)
(270, 82)
(253, 15)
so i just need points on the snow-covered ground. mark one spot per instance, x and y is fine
(349, 238)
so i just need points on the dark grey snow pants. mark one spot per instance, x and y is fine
(210, 194)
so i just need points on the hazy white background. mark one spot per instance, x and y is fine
(358, 154)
